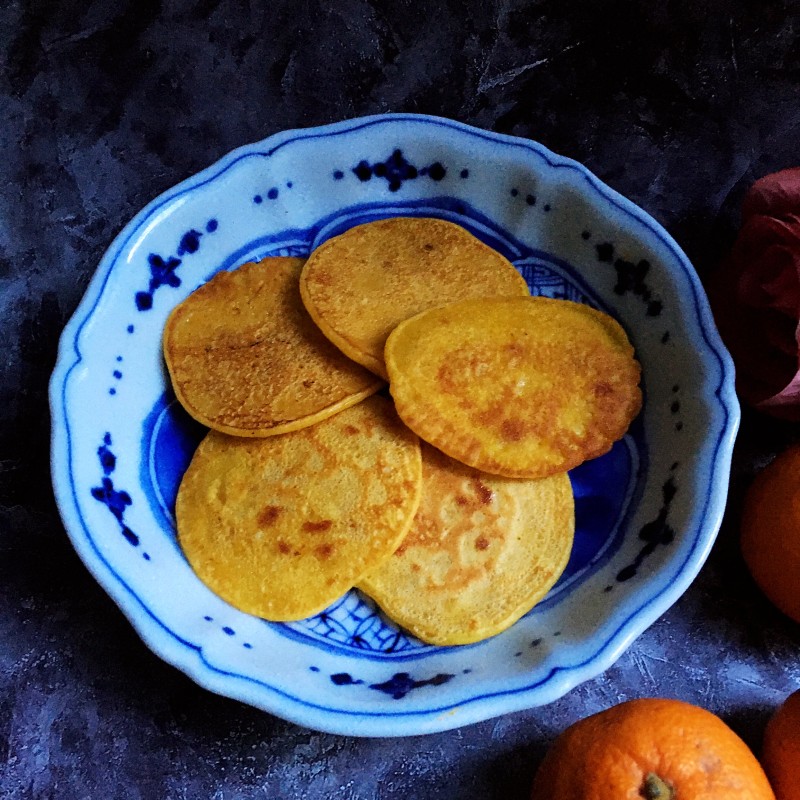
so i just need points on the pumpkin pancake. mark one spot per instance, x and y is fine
(246, 359)
(281, 527)
(481, 552)
(521, 387)
(358, 286)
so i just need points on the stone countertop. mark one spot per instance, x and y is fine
(106, 105)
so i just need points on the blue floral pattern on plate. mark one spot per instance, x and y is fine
(647, 512)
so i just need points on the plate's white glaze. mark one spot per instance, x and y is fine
(647, 513)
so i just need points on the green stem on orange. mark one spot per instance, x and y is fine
(655, 788)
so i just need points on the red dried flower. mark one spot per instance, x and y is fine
(756, 296)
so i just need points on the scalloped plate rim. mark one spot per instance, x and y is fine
(188, 657)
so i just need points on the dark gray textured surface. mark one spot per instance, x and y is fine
(679, 107)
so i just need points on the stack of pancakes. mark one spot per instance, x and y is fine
(448, 502)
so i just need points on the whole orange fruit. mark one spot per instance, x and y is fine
(654, 749)
(781, 752)
(770, 537)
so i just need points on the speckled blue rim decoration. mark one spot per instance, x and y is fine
(647, 512)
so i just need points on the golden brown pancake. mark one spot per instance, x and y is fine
(281, 527)
(481, 552)
(521, 387)
(246, 359)
(358, 286)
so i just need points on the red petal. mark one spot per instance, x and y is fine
(756, 296)
(760, 340)
(786, 403)
(774, 195)
(760, 231)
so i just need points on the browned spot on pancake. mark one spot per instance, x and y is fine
(351, 430)
(402, 548)
(481, 543)
(324, 550)
(485, 494)
(444, 379)
(283, 547)
(323, 278)
(602, 389)
(268, 515)
(461, 500)
(317, 527)
(427, 246)
(512, 430)
(490, 416)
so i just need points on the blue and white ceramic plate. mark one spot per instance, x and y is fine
(647, 512)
